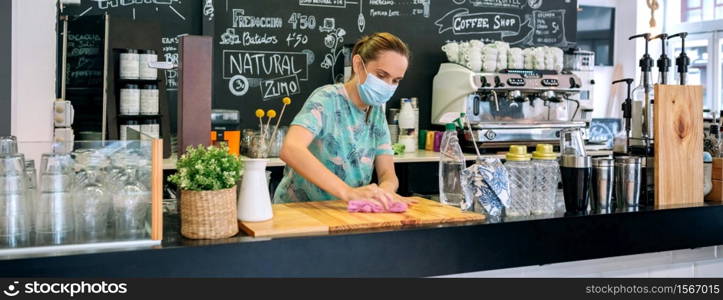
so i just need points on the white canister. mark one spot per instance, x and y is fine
(150, 130)
(415, 106)
(254, 201)
(130, 100)
(129, 129)
(145, 71)
(129, 64)
(149, 100)
(406, 115)
(409, 142)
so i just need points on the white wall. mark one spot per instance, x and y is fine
(33, 71)
(631, 18)
(699, 262)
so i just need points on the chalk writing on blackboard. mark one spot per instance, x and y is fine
(264, 64)
(426, 4)
(84, 56)
(393, 8)
(170, 54)
(296, 39)
(302, 21)
(282, 86)
(247, 38)
(498, 3)
(324, 3)
(461, 21)
(106, 5)
(241, 20)
(238, 85)
(549, 27)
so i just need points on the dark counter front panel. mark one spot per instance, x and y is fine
(407, 252)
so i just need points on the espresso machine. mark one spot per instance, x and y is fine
(514, 106)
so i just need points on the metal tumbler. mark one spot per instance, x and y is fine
(602, 183)
(627, 182)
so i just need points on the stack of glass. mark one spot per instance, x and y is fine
(97, 194)
(14, 206)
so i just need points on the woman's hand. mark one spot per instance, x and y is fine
(370, 192)
(408, 200)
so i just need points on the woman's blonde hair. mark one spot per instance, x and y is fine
(369, 47)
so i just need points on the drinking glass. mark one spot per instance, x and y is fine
(131, 205)
(259, 146)
(8, 145)
(31, 177)
(54, 210)
(14, 227)
(277, 142)
(246, 136)
(91, 199)
(571, 142)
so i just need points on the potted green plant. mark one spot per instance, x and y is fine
(207, 179)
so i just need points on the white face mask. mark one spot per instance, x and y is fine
(375, 91)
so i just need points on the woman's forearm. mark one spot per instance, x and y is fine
(389, 182)
(389, 185)
(387, 176)
(308, 166)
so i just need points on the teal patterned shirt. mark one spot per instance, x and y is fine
(344, 141)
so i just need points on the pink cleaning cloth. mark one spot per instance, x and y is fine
(366, 206)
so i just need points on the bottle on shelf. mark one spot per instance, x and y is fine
(129, 64)
(407, 134)
(546, 177)
(149, 100)
(129, 130)
(145, 71)
(150, 129)
(643, 96)
(130, 100)
(520, 172)
(451, 164)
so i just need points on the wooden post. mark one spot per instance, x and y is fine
(678, 129)
(157, 189)
(194, 97)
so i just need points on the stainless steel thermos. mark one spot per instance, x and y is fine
(602, 183)
(628, 177)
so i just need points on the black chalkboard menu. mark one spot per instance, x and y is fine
(176, 18)
(266, 50)
(86, 36)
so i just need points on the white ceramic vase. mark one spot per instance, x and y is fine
(254, 201)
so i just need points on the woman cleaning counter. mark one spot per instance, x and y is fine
(340, 135)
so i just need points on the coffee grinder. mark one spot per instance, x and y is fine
(226, 129)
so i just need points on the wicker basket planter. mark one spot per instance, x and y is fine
(209, 214)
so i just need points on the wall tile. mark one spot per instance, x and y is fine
(628, 273)
(713, 268)
(693, 255)
(683, 270)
